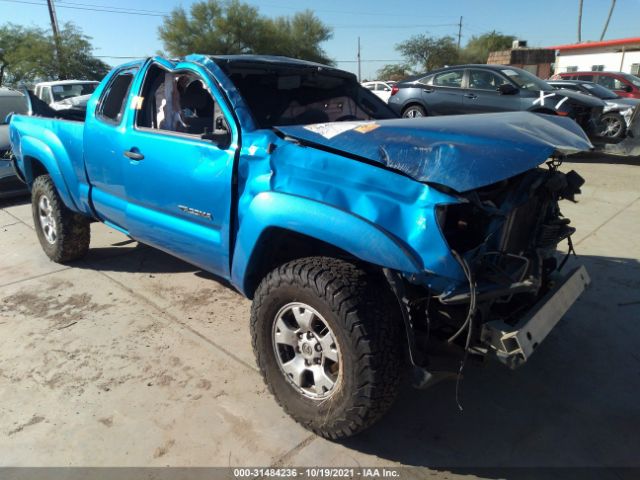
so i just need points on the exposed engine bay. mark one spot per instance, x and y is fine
(505, 237)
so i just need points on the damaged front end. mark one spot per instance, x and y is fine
(499, 231)
(505, 237)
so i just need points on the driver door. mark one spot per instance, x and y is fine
(181, 152)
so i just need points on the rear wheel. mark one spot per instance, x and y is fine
(614, 126)
(63, 234)
(326, 338)
(414, 111)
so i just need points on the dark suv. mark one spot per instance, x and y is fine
(491, 88)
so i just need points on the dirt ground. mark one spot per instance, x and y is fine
(133, 358)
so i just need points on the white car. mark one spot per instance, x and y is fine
(57, 94)
(381, 89)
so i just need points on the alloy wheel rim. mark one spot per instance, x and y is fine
(306, 350)
(47, 222)
(613, 127)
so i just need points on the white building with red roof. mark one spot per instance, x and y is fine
(621, 55)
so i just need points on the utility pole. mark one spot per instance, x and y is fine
(359, 77)
(606, 25)
(580, 21)
(459, 32)
(56, 35)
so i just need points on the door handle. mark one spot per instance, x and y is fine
(134, 154)
(427, 90)
(471, 95)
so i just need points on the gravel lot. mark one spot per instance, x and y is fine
(133, 358)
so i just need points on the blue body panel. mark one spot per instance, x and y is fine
(460, 152)
(367, 190)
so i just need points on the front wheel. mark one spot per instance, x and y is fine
(614, 126)
(326, 338)
(64, 235)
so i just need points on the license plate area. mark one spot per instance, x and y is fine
(514, 344)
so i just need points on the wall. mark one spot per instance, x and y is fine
(584, 61)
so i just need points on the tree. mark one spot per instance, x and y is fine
(216, 27)
(478, 47)
(428, 53)
(28, 55)
(395, 72)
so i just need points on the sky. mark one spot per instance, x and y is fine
(380, 24)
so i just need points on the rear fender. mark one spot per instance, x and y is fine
(32, 150)
(348, 232)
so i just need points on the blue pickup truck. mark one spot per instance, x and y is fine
(370, 245)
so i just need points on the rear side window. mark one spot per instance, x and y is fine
(449, 79)
(113, 100)
(586, 78)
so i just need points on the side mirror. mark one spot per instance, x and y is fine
(628, 88)
(7, 119)
(507, 89)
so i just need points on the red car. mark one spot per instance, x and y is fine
(624, 84)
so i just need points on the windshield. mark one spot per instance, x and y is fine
(283, 95)
(632, 78)
(12, 104)
(600, 91)
(526, 80)
(62, 92)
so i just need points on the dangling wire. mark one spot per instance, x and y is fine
(468, 323)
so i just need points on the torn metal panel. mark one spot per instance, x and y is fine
(630, 146)
(459, 152)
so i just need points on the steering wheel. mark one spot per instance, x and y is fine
(346, 118)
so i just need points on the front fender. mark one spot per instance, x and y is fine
(346, 231)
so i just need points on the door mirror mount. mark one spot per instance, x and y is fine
(507, 89)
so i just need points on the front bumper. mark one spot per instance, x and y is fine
(514, 344)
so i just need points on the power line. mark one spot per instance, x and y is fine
(396, 26)
(58, 2)
(105, 10)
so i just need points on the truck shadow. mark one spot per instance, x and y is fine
(599, 157)
(133, 257)
(575, 404)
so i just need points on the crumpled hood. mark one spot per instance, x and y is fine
(462, 152)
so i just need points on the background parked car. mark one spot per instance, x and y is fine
(492, 88)
(618, 110)
(624, 84)
(380, 89)
(58, 94)
(10, 101)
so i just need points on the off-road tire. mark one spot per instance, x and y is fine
(73, 232)
(364, 316)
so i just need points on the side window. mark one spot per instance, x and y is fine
(586, 78)
(485, 80)
(426, 80)
(113, 99)
(179, 102)
(449, 79)
(370, 86)
(611, 83)
(46, 95)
